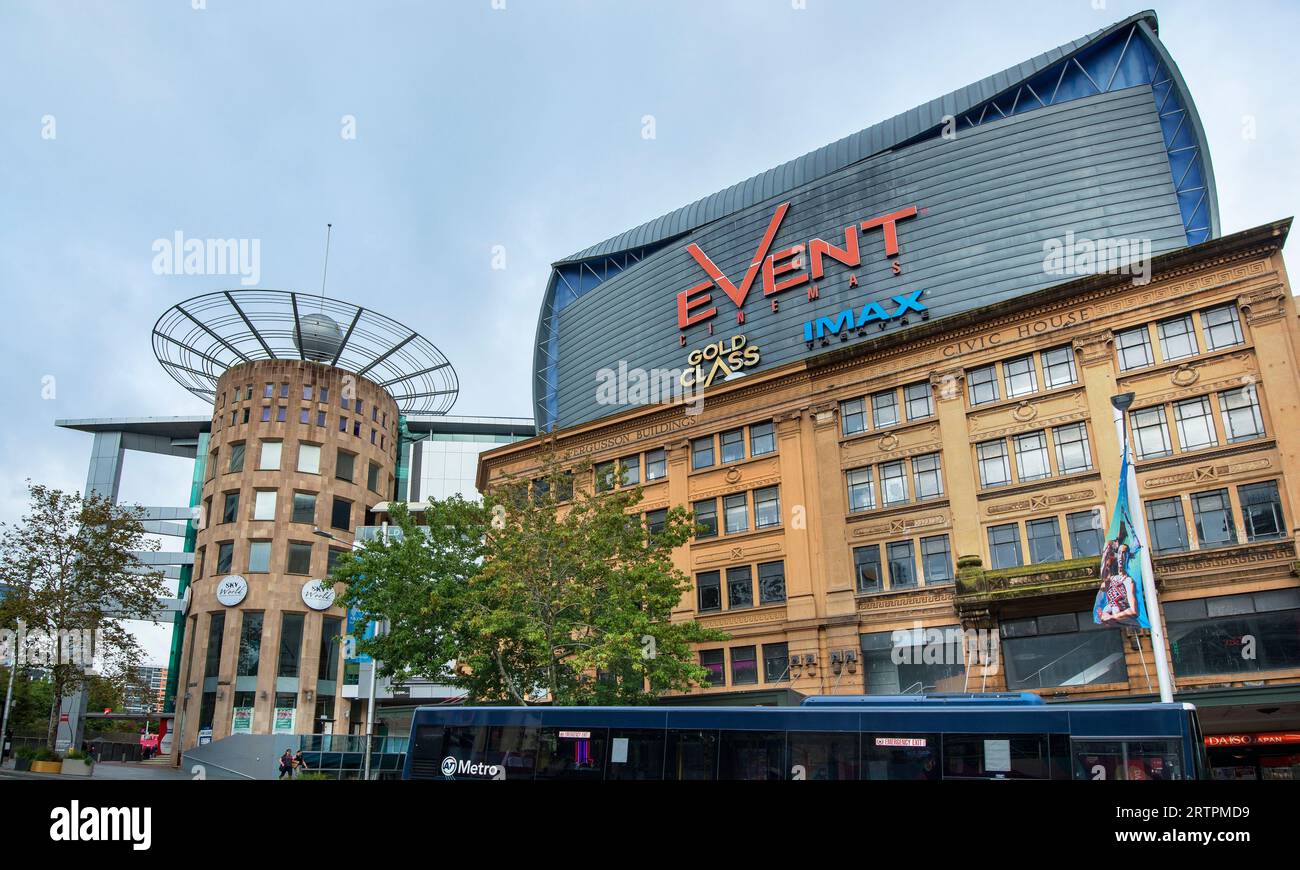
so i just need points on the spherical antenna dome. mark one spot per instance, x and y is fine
(320, 337)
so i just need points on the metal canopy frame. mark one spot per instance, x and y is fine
(197, 340)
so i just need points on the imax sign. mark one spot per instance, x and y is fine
(849, 320)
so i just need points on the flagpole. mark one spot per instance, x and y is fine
(1164, 677)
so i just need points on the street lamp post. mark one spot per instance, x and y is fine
(1121, 404)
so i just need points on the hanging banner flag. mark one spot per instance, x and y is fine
(1120, 601)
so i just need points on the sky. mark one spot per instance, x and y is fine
(459, 147)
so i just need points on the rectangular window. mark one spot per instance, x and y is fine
(1072, 451)
(306, 392)
(1222, 327)
(740, 588)
(1150, 432)
(862, 494)
(290, 645)
(284, 391)
(853, 416)
(656, 521)
(866, 568)
(372, 478)
(1020, 376)
(269, 459)
(264, 504)
(920, 400)
(299, 558)
(266, 413)
(1168, 530)
(1241, 416)
(767, 507)
(304, 508)
(735, 513)
(1085, 534)
(744, 666)
(216, 634)
(1177, 338)
(1058, 367)
(656, 464)
(902, 565)
(320, 418)
(230, 511)
(1044, 540)
(708, 586)
(280, 413)
(893, 483)
(341, 514)
(732, 445)
(771, 583)
(702, 453)
(994, 464)
(1206, 634)
(910, 662)
(706, 518)
(1261, 511)
(259, 557)
(250, 645)
(1212, 513)
(225, 554)
(982, 384)
(1031, 456)
(884, 409)
(630, 470)
(345, 466)
(605, 476)
(324, 395)
(1004, 546)
(776, 663)
(269, 391)
(1134, 348)
(762, 439)
(304, 415)
(936, 560)
(927, 476)
(1064, 649)
(715, 662)
(236, 457)
(1195, 423)
(309, 458)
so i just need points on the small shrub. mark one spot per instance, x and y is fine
(45, 754)
(313, 774)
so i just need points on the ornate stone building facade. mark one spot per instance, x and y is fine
(923, 510)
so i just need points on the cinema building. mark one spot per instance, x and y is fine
(905, 454)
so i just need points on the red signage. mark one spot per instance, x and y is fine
(1268, 738)
(781, 270)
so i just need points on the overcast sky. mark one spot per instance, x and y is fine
(475, 127)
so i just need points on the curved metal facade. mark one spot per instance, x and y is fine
(1098, 139)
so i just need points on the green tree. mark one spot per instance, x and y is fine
(73, 575)
(29, 710)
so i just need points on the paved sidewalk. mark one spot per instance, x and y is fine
(116, 770)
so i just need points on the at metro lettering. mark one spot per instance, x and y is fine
(780, 270)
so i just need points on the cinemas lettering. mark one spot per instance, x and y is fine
(721, 357)
(783, 270)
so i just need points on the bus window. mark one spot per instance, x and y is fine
(831, 756)
(692, 755)
(752, 755)
(1127, 759)
(470, 752)
(635, 754)
(426, 752)
(900, 756)
(996, 756)
(571, 753)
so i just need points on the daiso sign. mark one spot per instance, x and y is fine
(785, 269)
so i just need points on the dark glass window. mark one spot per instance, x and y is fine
(744, 666)
(752, 755)
(236, 457)
(902, 565)
(692, 755)
(821, 757)
(1235, 634)
(656, 520)
(900, 756)
(762, 439)
(216, 633)
(345, 468)
(230, 510)
(372, 478)
(709, 587)
(706, 518)
(1044, 540)
(913, 661)
(299, 558)
(776, 662)
(1213, 516)
(635, 754)
(225, 553)
(767, 507)
(732, 445)
(1085, 534)
(1004, 546)
(1168, 531)
(569, 754)
(250, 644)
(771, 583)
(1261, 510)
(866, 567)
(341, 514)
(331, 639)
(702, 452)
(997, 756)
(304, 508)
(656, 467)
(604, 476)
(290, 644)
(936, 560)
(715, 662)
(740, 587)
(1066, 649)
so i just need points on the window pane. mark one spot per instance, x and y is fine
(740, 588)
(866, 567)
(995, 469)
(762, 439)
(341, 514)
(862, 495)
(744, 666)
(824, 757)
(1217, 646)
(656, 464)
(230, 508)
(771, 583)
(884, 409)
(1044, 540)
(1261, 510)
(1134, 348)
(270, 456)
(1020, 376)
(735, 513)
(1165, 519)
(1083, 657)
(927, 476)
(345, 468)
(299, 558)
(936, 560)
(264, 504)
(290, 645)
(1085, 534)
(259, 557)
(920, 400)
(1058, 367)
(776, 662)
(702, 452)
(236, 457)
(853, 418)
(1213, 516)
(1150, 433)
(1222, 327)
(902, 565)
(250, 645)
(304, 508)
(709, 587)
(714, 661)
(630, 468)
(636, 754)
(982, 385)
(706, 515)
(1241, 415)
(1004, 546)
(732, 445)
(604, 472)
(309, 458)
(1195, 423)
(752, 755)
(997, 756)
(1072, 451)
(1031, 456)
(767, 508)
(225, 554)
(1177, 337)
(910, 662)
(893, 483)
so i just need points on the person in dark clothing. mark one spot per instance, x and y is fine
(300, 763)
(286, 765)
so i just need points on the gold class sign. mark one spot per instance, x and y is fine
(725, 357)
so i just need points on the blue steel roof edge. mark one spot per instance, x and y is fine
(863, 144)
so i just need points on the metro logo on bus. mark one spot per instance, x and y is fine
(781, 270)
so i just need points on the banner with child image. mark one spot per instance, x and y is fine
(1119, 600)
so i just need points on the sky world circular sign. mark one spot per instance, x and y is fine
(232, 590)
(316, 595)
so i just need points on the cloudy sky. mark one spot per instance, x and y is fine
(475, 127)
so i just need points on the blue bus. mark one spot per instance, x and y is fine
(869, 737)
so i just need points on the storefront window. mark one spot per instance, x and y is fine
(1127, 759)
(911, 662)
(1064, 649)
(1235, 634)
